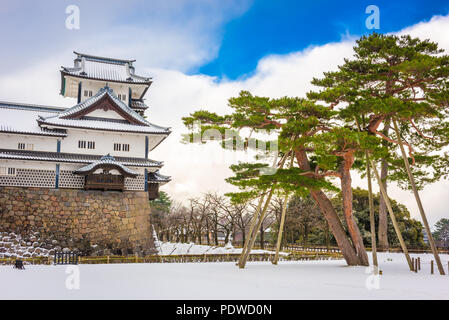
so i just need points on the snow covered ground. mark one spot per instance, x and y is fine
(259, 280)
(171, 248)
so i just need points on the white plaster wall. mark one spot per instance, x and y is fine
(95, 85)
(104, 143)
(41, 143)
(43, 174)
(21, 164)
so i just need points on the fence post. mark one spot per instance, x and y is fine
(419, 263)
(431, 267)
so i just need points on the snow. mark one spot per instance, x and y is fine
(172, 248)
(329, 279)
(15, 246)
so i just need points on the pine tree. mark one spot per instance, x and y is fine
(400, 81)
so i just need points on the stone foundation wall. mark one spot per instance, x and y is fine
(118, 222)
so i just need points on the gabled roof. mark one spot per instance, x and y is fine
(106, 162)
(102, 68)
(156, 177)
(75, 117)
(138, 104)
(106, 92)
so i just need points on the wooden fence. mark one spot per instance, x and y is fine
(66, 258)
(228, 257)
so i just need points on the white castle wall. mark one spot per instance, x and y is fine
(104, 143)
(43, 174)
(40, 143)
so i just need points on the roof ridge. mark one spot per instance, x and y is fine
(113, 60)
(14, 105)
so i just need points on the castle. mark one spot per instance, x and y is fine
(84, 172)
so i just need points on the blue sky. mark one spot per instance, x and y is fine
(224, 39)
(283, 26)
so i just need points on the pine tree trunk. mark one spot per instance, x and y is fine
(346, 190)
(383, 212)
(336, 227)
(330, 215)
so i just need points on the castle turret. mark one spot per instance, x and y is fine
(91, 73)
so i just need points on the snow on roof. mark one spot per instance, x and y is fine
(101, 68)
(62, 119)
(138, 104)
(73, 158)
(156, 177)
(106, 160)
(22, 119)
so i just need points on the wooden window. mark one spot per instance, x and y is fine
(21, 146)
(30, 146)
(82, 144)
(124, 97)
(11, 171)
(91, 145)
(119, 96)
(125, 147)
(90, 93)
(86, 93)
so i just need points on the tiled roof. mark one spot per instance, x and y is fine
(73, 158)
(138, 104)
(61, 119)
(156, 177)
(18, 118)
(101, 68)
(105, 160)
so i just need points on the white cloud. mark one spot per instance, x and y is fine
(197, 169)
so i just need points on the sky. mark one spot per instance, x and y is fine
(200, 53)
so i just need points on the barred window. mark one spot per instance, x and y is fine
(5, 171)
(82, 144)
(21, 146)
(121, 147)
(91, 145)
